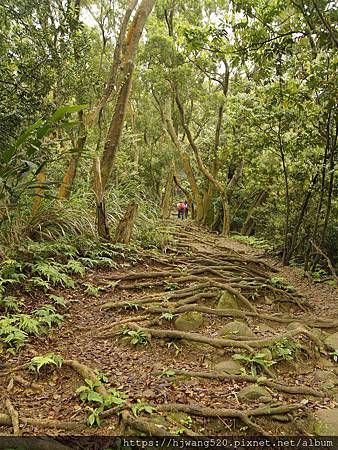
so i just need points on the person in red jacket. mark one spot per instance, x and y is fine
(180, 209)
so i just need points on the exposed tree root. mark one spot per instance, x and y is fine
(155, 299)
(14, 416)
(13, 369)
(144, 425)
(86, 372)
(237, 313)
(221, 342)
(5, 419)
(243, 415)
(299, 389)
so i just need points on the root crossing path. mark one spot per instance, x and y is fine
(209, 338)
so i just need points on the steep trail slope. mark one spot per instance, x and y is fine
(209, 338)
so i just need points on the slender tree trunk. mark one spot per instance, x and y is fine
(116, 125)
(249, 221)
(226, 217)
(321, 196)
(101, 216)
(167, 196)
(41, 180)
(207, 205)
(126, 225)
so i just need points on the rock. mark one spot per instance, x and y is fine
(325, 363)
(325, 376)
(326, 421)
(227, 301)
(332, 341)
(295, 326)
(149, 393)
(267, 353)
(254, 393)
(229, 366)
(236, 328)
(189, 321)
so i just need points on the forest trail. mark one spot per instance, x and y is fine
(185, 314)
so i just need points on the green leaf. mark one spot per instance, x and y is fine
(95, 397)
(61, 112)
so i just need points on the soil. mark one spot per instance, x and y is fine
(136, 370)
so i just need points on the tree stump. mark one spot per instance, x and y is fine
(126, 224)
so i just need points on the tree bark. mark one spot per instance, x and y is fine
(167, 196)
(69, 177)
(126, 225)
(101, 216)
(184, 157)
(249, 221)
(116, 125)
(41, 180)
(117, 60)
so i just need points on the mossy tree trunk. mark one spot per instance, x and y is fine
(126, 224)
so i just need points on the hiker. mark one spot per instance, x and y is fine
(186, 209)
(180, 209)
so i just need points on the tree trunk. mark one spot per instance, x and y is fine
(41, 179)
(167, 196)
(226, 218)
(182, 154)
(68, 179)
(116, 125)
(126, 224)
(101, 216)
(249, 221)
(207, 203)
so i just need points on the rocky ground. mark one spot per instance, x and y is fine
(210, 338)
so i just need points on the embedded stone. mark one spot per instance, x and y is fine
(325, 376)
(254, 393)
(295, 326)
(236, 328)
(326, 421)
(227, 301)
(149, 393)
(267, 353)
(229, 366)
(189, 321)
(332, 341)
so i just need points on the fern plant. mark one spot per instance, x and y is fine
(47, 315)
(48, 359)
(74, 266)
(256, 361)
(28, 324)
(51, 272)
(285, 349)
(10, 303)
(11, 334)
(167, 316)
(58, 300)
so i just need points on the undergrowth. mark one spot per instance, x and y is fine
(254, 241)
(38, 269)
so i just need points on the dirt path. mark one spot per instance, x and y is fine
(183, 363)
